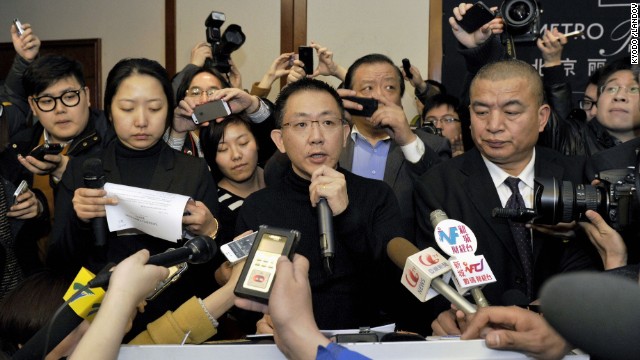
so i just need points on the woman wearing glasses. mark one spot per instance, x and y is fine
(201, 85)
(138, 102)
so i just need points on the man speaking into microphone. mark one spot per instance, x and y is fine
(507, 113)
(311, 130)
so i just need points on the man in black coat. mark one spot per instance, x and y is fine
(507, 115)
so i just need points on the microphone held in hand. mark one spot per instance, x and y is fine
(325, 227)
(596, 312)
(198, 250)
(422, 270)
(93, 175)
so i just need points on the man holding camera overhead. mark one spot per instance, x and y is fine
(507, 115)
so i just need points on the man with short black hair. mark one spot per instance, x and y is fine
(507, 114)
(311, 131)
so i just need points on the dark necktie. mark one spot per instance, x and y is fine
(11, 273)
(521, 235)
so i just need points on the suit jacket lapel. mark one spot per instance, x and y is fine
(484, 197)
(163, 176)
(393, 164)
(346, 157)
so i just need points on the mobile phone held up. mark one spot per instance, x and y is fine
(238, 249)
(46, 149)
(305, 54)
(369, 106)
(22, 188)
(257, 276)
(477, 15)
(210, 111)
(406, 66)
(19, 27)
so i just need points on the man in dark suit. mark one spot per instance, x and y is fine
(383, 146)
(507, 114)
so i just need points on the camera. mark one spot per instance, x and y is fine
(615, 199)
(430, 127)
(222, 44)
(521, 19)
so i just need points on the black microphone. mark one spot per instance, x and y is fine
(93, 175)
(596, 312)
(325, 227)
(198, 250)
(62, 323)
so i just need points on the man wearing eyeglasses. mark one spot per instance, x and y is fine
(442, 113)
(59, 99)
(311, 131)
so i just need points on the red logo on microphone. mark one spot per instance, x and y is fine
(412, 277)
(429, 259)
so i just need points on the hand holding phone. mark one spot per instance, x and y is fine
(369, 106)
(475, 17)
(46, 149)
(210, 111)
(21, 189)
(19, 27)
(305, 54)
(406, 65)
(259, 271)
(238, 249)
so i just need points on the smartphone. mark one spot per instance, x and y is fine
(19, 27)
(406, 65)
(238, 249)
(210, 111)
(259, 271)
(175, 272)
(305, 54)
(41, 150)
(369, 106)
(22, 188)
(477, 15)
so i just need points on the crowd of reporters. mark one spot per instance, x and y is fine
(260, 154)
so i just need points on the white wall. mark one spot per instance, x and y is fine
(134, 28)
(353, 28)
(260, 21)
(128, 28)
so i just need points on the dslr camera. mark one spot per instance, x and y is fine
(222, 44)
(615, 199)
(521, 19)
(430, 127)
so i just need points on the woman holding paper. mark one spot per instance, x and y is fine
(138, 102)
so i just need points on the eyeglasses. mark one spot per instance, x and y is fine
(445, 119)
(303, 127)
(196, 91)
(69, 98)
(586, 105)
(613, 89)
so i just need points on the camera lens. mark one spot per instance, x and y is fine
(518, 14)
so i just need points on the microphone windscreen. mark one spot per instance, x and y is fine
(399, 249)
(514, 297)
(92, 167)
(595, 312)
(93, 173)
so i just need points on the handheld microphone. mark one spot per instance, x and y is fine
(438, 217)
(93, 175)
(198, 250)
(422, 270)
(325, 227)
(81, 303)
(596, 312)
